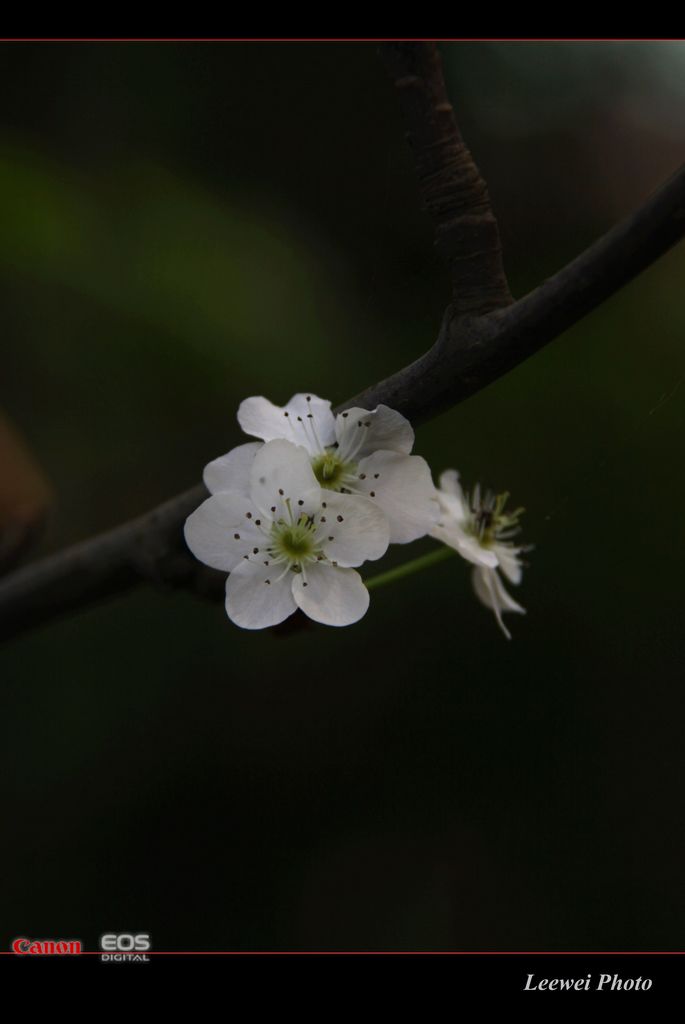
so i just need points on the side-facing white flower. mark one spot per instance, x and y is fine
(480, 529)
(287, 543)
(360, 453)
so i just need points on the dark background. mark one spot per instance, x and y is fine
(183, 225)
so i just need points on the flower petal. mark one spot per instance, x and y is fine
(360, 432)
(470, 549)
(223, 530)
(451, 495)
(336, 597)
(254, 603)
(313, 421)
(402, 487)
(449, 481)
(282, 482)
(231, 472)
(490, 591)
(261, 418)
(306, 420)
(351, 529)
(451, 508)
(509, 562)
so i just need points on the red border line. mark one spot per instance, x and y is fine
(360, 952)
(339, 39)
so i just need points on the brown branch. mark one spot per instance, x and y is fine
(471, 352)
(452, 190)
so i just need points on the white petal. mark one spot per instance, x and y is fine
(452, 508)
(231, 472)
(470, 549)
(282, 482)
(220, 533)
(360, 432)
(306, 420)
(312, 420)
(449, 482)
(358, 528)
(490, 590)
(253, 603)
(402, 487)
(451, 494)
(261, 418)
(336, 597)
(509, 562)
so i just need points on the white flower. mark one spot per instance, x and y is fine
(359, 453)
(481, 531)
(285, 542)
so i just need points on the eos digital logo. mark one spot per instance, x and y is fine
(124, 947)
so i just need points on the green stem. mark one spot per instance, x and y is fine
(416, 565)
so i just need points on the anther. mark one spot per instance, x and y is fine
(331, 538)
(362, 476)
(286, 414)
(372, 494)
(280, 492)
(255, 551)
(248, 515)
(376, 475)
(340, 519)
(236, 536)
(268, 581)
(258, 522)
(323, 519)
(304, 584)
(300, 501)
(324, 505)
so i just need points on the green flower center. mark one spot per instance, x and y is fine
(489, 521)
(294, 541)
(331, 472)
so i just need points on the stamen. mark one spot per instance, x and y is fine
(312, 424)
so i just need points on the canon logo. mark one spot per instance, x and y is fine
(35, 947)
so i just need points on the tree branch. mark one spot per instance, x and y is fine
(452, 190)
(471, 352)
